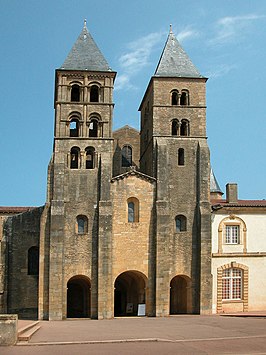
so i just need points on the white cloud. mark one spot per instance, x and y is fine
(230, 28)
(137, 57)
(186, 34)
(220, 70)
(123, 82)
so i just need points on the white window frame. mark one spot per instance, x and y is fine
(232, 284)
(232, 234)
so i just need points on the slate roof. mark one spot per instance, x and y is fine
(214, 186)
(85, 55)
(174, 61)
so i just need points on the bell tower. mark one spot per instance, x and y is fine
(78, 180)
(174, 150)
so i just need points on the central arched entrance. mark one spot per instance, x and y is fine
(78, 297)
(180, 295)
(130, 292)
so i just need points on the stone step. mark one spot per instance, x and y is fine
(25, 333)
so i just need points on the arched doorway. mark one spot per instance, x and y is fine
(130, 291)
(78, 297)
(180, 295)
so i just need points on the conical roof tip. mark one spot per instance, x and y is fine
(174, 61)
(214, 186)
(85, 54)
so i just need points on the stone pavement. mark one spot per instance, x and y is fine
(174, 328)
(183, 334)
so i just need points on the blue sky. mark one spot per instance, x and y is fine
(226, 40)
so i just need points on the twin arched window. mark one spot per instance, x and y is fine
(180, 98)
(180, 128)
(76, 93)
(180, 223)
(75, 158)
(126, 156)
(132, 210)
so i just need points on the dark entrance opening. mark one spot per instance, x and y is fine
(78, 297)
(180, 295)
(130, 289)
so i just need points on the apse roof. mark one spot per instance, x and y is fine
(85, 54)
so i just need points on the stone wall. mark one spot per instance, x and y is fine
(22, 232)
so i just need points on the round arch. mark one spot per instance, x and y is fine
(180, 295)
(79, 297)
(129, 291)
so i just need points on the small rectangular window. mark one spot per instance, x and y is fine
(231, 234)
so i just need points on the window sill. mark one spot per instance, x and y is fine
(232, 301)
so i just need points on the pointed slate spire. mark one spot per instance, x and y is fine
(214, 186)
(174, 61)
(85, 55)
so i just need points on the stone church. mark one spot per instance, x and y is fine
(126, 227)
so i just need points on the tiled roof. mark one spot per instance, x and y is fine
(13, 210)
(175, 62)
(240, 203)
(85, 55)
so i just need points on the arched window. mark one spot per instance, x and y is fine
(33, 261)
(90, 157)
(93, 128)
(74, 127)
(132, 210)
(184, 128)
(232, 235)
(74, 158)
(184, 99)
(174, 97)
(232, 284)
(94, 93)
(126, 156)
(82, 225)
(75, 93)
(175, 127)
(180, 223)
(181, 156)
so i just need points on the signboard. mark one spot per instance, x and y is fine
(141, 310)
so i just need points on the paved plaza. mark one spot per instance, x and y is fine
(172, 335)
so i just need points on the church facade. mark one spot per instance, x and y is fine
(127, 225)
